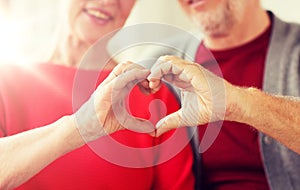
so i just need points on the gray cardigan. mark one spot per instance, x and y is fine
(282, 72)
(281, 77)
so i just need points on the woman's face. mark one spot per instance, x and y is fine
(89, 20)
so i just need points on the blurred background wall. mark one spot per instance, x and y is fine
(27, 26)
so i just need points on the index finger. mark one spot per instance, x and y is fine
(168, 67)
(118, 70)
(157, 72)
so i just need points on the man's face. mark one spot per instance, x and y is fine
(214, 17)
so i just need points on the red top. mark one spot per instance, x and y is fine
(234, 161)
(36, 95)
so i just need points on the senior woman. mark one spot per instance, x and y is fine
(45, 136)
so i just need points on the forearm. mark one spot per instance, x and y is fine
(25, 154)
(275, 116)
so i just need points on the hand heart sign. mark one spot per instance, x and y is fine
(205, 95)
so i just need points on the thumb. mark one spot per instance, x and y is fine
(169, 122)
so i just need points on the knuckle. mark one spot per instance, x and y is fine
(166, 57)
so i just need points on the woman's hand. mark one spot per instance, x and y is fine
(105, 113)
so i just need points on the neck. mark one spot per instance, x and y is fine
(70, 53)
(249, 27)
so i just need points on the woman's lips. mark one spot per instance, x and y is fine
(98, 14)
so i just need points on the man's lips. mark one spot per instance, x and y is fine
(196, 4)
(190, 2)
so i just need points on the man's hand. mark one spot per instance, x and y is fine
(105, 113)
(203, 93)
